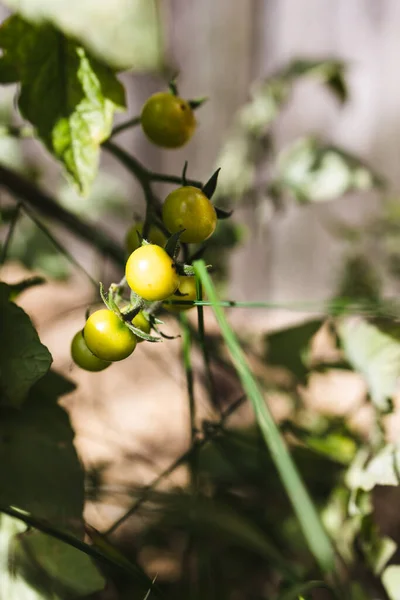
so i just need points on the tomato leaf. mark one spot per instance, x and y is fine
(124, 33)
(23, 358)
(39, 468)
(67, 95)
(211, 185)
(52, 566)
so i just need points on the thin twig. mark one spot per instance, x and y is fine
(50, 208)
(10, 233)
(58, 245)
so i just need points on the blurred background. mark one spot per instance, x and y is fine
(302, 116)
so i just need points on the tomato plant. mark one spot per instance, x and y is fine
(265, 508)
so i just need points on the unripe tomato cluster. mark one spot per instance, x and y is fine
(155, 277)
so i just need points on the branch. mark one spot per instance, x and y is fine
(38, 199)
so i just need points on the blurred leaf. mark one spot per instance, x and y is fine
(39, 467)
(391, 581)
(330, 72)
(374, 354)
(81, 94)
(289, 347)
(377, 549)
(23, 358)
(303, 588)
(123, 33)
(52, 566)
(18, 288)
(382, 469)
(315, 172)
(359, 280)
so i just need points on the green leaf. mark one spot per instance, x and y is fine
(377, 549)
(81, 94)
(374, 354)
(315, 172)
(391, 581)
(23, 358)
(306, 512)
(289, 347)
(359, 280)
(39, 467)
(123, 33)
(52, 566)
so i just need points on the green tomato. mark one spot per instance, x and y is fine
(167, 120)
(189, 209)
(141, 323)
(155, 236)
(108, 337)
(83, 357)
(150, 273)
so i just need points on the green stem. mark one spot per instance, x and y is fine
(203, 346)
(187, 362)
(10, 233)
(317, 539)
(134, 122)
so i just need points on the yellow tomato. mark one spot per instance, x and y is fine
(151, 273)
(187, 286)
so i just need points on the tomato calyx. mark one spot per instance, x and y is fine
(209, 188)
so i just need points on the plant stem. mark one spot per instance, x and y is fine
(49, 207)
(10, 233)
(125, 125)
(204, 350)
(187, 362)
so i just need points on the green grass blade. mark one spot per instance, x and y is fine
(307, 515)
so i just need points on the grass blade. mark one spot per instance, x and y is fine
(307, 515)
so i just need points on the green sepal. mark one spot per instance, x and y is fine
(223, 214)
(209, 188)
(172, 245)
(197, 102)
(141, 334)
(165, 336)
(173, 87)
